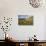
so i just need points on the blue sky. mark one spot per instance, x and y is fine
(22, 16)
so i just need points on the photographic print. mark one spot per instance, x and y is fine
(25, 20)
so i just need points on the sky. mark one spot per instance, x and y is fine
(23, 16)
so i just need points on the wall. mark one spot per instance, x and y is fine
(13, 8)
